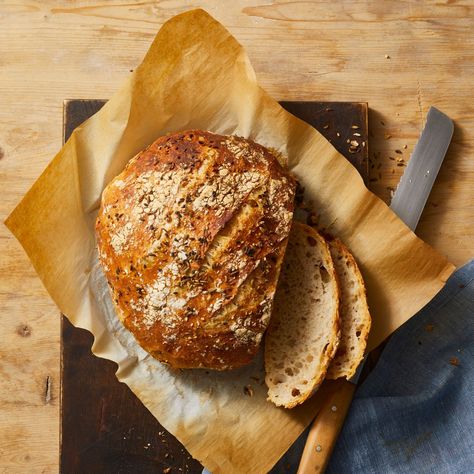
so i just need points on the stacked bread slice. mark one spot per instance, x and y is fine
(320, 321)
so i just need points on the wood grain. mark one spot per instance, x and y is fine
(104, 427)
(301, 50)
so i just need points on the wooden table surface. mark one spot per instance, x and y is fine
(400, 57)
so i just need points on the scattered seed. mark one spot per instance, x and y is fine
(387, 56)
(356, 134)
(248, 390)
(399, 152)
(326, 127)
(355, 127)
(382, 122)
(454, 361)
(338, 134)
(318, 448)
(387, 136)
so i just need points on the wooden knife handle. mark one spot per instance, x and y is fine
(326, 427)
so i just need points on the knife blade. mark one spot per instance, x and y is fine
(408, 203)
(415, 185)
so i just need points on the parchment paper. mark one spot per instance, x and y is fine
(196, 75)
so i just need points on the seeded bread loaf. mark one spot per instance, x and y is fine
(304, 330)
(354, 313)
(191, 236)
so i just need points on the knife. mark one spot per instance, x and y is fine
(408, 202)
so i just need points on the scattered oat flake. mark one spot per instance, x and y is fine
(355, 127)
(454, 361)
(356, 134)
(354, 143)
(387, 136)
(326, 127)
(166, 470)
(429, 327)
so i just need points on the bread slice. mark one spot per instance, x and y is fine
(354, 313)
(304, 329)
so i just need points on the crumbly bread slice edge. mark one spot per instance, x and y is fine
(315, 381)
(337, 248)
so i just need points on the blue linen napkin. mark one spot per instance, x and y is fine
(415, 411)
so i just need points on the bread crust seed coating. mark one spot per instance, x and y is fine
(191, 236)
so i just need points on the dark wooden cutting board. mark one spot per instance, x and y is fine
(104, 427)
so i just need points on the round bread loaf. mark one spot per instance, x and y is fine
(191, 236)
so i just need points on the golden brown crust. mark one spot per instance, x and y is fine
(190, 236)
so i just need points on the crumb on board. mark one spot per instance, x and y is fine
(248, 390)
